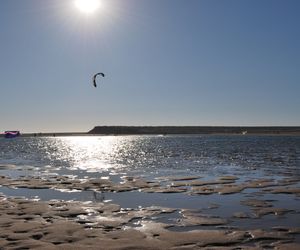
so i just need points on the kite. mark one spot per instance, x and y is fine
(95, 76)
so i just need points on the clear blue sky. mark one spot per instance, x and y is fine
(167, 62)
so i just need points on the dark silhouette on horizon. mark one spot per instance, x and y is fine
(244, 130)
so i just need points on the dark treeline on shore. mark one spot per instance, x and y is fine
(126, 130)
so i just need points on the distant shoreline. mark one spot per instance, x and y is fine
(169, 130)
(177, 130)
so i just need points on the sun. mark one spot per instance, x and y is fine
(87, 6)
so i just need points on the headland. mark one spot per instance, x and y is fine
(127, 130)
(175, 130)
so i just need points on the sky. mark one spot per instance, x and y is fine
(167, 62)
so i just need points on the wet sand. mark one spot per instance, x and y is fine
(227, 213)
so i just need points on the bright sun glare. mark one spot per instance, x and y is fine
(87, 6)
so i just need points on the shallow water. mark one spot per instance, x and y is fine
(152, 157)
(157, 155)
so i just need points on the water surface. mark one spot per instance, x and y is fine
(153, 157)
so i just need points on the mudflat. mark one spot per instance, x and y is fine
(58, 224)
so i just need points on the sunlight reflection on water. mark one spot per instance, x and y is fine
(92, 154)
(156, 155)
(87, 159)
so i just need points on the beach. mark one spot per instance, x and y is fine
(150, 192)
(150, 125)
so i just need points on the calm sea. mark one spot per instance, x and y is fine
(157, 155)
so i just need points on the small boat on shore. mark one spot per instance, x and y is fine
(11, 134)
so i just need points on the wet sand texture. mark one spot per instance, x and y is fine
(35, 224)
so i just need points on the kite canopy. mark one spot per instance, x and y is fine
(95, 76)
